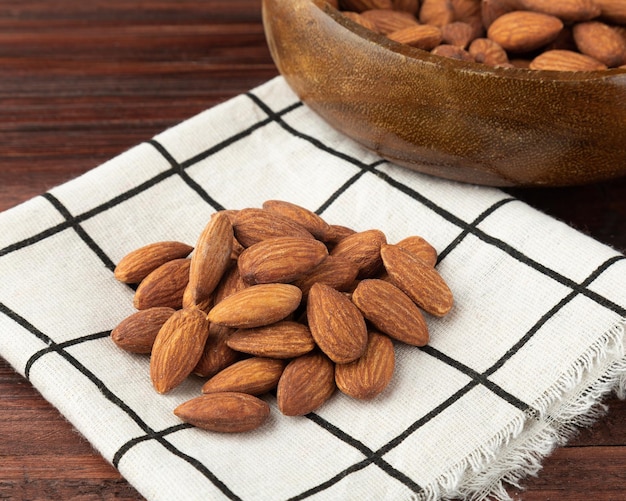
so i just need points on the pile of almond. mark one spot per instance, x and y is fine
(276, 299)
(563, 35)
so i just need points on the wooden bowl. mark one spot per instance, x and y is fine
(452, 119)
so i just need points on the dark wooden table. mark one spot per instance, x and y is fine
(82, 81)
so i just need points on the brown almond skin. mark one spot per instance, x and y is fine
(254, 376)
(387, 21)
(436, 12)
(224, 412)
(334, 271)
(488, 52)
(252, 225)
(230, 283)
(280, 259)
(285, 339)
(310, 221)
(567, 10)
(256, 306)
(217, 355)
(336, 324)
(363, 249)
(391, 311)
(368, 376)
(164, 286)
(420, 247)
(421, 36)
(137, 332)
(422, 283)
(601, 42)
(211, 257)
(565, 60)
(306, 383)
(136, 265)
(524, 31)
(177, 348)
(336, 233)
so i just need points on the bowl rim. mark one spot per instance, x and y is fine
(514, 73)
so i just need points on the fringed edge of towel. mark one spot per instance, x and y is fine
(517, 452)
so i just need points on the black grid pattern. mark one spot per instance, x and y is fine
(370, 456)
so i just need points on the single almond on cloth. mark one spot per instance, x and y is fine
(391, 311)
(420, 36)
(422, 283)
(216, 355)
(177, 348)
(565, 60)
(256, 306)
(601, 42)
(306, 383)
(524, 31)
(487, 52)
(387, 21)
(567, 10)
(285, 339)
(280, 259)
(368, 376)
(337, 325)
(137, 264)
(363, 249)
(211, 257)
(252, 225)
(164, 286)
(255, 376)
(137, 332)
(436, 12)
(310, 221)
(334, 271)
(225, 412)
(613, 11)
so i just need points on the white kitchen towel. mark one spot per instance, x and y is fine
(533, 344)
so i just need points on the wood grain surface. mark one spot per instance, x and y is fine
(82, 81)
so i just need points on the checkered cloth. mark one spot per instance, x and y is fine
(532, 345)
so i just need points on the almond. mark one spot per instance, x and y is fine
(216, 355)
(613, 11)
(420, 36)
(136, 265)
(334, 271)
(137, 332)
(310, 221)
(368, 376)
(256, 306)
(359, 19)
(567, 10)
(436, 12)
(211, 258)
(601, 42)
(283, 339)
(230, 283)
(164, 286)
(490, 10)
(488, 52)
(177, 348)
(227, 412)
(391, 311)
(363, 249)
(452, 52)
(419, 246)
(565, 60)
(337, 325)
(422, 283)
(361, 5)
(411, 6)
(388, 21)
(255, 376)
(457, 33)
(253, 225)
(524, 31)
(280, 259)
(306, 383)
(336, 233)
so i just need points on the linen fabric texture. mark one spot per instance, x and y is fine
(533, 344)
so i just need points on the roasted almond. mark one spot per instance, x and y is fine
(255, 376)
(601, 42)
(336, 233)
(359, 19)
(210, 258)
(613, 11)
(256, 306)
(363, 249)
(490, 10)
(177, 348)
(457, 33)
(391, 311)
(368, 376)
(452, 52)
(310, 221)
(487, 52)
(565, 60)
(164, 286)
(252, 225)
(280, 259)
(227, 412)
(230, 283)
(216, 355)
(387, 20)
(420, 247)
(337, 325)
(137, 332)
(567, 10)
(334, 271)
(305, 384)
(420, 36)
(285, 339)
(422, 283)
(136, 265)
(436, 12)
(524, 31)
